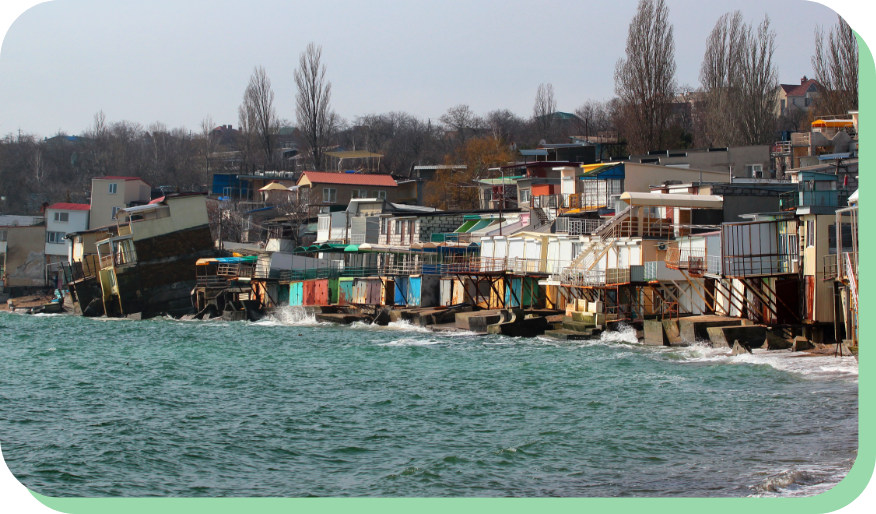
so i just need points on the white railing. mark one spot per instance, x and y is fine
(713, 265)
(651, 271)
(357, 239)
(576, 226)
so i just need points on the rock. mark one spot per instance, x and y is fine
(739, 349)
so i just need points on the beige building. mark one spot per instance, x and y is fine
(794, 96)
(110, 194)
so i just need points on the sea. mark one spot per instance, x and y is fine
(289, 407)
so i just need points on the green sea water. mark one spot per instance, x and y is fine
(290, 407)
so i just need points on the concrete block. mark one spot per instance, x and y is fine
(800, 344)
(581, 305)
(695, 328)
(670, 329)
(750, 336)
(654, 333)
(595, 307)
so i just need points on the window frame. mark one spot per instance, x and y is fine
(115, 211)
(57, 239)
(113, 188)
(60, 215)
(380, 194)
(329, 195)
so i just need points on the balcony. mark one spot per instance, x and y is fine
(691, 259)
(793, 200)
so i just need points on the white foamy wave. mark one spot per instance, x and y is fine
(412, 341)
(799, 362)
(401, 325)
(625, 334)
(290, 316)
(801, 482)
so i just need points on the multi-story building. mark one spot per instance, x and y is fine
(110, 194)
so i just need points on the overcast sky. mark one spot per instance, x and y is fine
(179, 61)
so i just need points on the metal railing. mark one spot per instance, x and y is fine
(759, 265)
(685, 258)
(240, 270)
(576, 226)
(792, 200)
(651, 271)
(555, 201)
(212, 281)
(357, 239)
(713, 264)
(829, 267)
(451, 237)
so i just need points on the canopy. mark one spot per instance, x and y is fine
(274, 186)
(833, 123)
(352, 248)
(854, 197)
(674, 200)
(227, 260)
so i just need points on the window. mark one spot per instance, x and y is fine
(380, 195)
(115, 210)
(55, 237)
(329, 195)
(754, 170)
(783, 105)
(359, 193)
(113, 188)
(2, 235)
(383, 225)
(808, 101)
(525, 195)
(62, 217)
(325, 223)
(810, 233)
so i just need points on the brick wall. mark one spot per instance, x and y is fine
(427, 225)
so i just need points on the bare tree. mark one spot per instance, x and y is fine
(208, 143)
(545, 105)
(740, 84)
(595, 116)
(719, 75)
(758, 87)
(461, 120)
(316, 120)
(259, 99)
(836, 69)
(645, 80)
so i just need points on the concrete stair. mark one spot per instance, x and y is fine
(574, 330)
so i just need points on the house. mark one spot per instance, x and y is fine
(325, 188)
(797, 96)
(147, 268)
(110, 194)
(61, 219)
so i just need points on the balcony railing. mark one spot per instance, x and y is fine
(841, 271)
(686, 258)
(576, 226)
(239, 270)
(792, 200)
(713, 265)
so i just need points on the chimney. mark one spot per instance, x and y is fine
(803, 80)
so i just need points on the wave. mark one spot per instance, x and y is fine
(792, 362)
(801, 482)
(291, 316)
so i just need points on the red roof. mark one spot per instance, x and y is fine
(117, 178)
(795, 90)
(356, 179)
(70, 207)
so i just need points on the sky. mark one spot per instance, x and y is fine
(179, 61)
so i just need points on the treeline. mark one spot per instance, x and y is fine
(736, 104)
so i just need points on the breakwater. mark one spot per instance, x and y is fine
(288, 406)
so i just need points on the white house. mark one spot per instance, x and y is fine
(61, 219)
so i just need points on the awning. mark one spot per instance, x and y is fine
(673, 200)
(274, 186)
(204, 262)
(352, 248)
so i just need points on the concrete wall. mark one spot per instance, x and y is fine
(25, 256)
(428, 225)
(102, 202)
(185, 212)
(639, 177)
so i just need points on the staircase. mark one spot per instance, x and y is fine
(584, 261)
(573, 330)
(543, 218)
